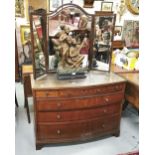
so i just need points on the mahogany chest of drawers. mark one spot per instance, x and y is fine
(77, 110)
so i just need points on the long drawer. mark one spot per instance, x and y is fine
(87, 91)
(78, 114)
(80, 129)
(78, 103)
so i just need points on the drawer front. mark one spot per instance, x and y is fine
(87, 91)
(78, 114)
(46, 93)
(78, 103)
(80, 129)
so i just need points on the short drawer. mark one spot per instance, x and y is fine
(80, 129)
(78, 114)
(78, 103)
(47, 93)
(85, 91)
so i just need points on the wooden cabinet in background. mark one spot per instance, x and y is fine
(132, 85)
(117, 44)
(132, 89)
(77, 110)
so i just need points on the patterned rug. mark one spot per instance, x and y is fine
(131, 153)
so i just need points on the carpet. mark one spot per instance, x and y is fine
(130, 153)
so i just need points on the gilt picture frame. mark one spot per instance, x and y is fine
(106, 6)
(19, 8)
(88, 3)
(25, 34)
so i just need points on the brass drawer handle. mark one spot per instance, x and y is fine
(58, 104)
(98, 90)
(58, 116)
(46, 94)
(107, 99)
(103, 126)
(105, 110)
(117, 87)
(58, 132)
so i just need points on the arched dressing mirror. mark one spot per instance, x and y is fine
(69, 36)
(104, 23)
(70, 42)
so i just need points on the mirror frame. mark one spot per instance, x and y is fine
(134, 10)
(42, 13)
(104, 14)
(45, 30)
(55, 13)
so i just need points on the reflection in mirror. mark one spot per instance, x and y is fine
(38, 28)
(103, 36)
(39, 57)
(69, 41)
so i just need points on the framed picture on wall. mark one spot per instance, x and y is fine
(118, 30)
(130, 33)
(88, 3)
(25, 34)
(54, 4)
(19, 8)
(26, 43)
(106, 6)
(67, 1)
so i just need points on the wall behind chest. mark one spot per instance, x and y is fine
(116, 3)
(38, 4)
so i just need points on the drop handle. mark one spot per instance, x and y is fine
(103, 126)
(117, 87)
(105, 110)
(47, 94)
(98, 90)
(106, 99)
(58, 132)
(58, 116)
(58, 104)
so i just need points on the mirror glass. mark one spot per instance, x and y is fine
(102, 44)
(69, 32)
(39, 56)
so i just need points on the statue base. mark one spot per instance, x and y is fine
(74, 75)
